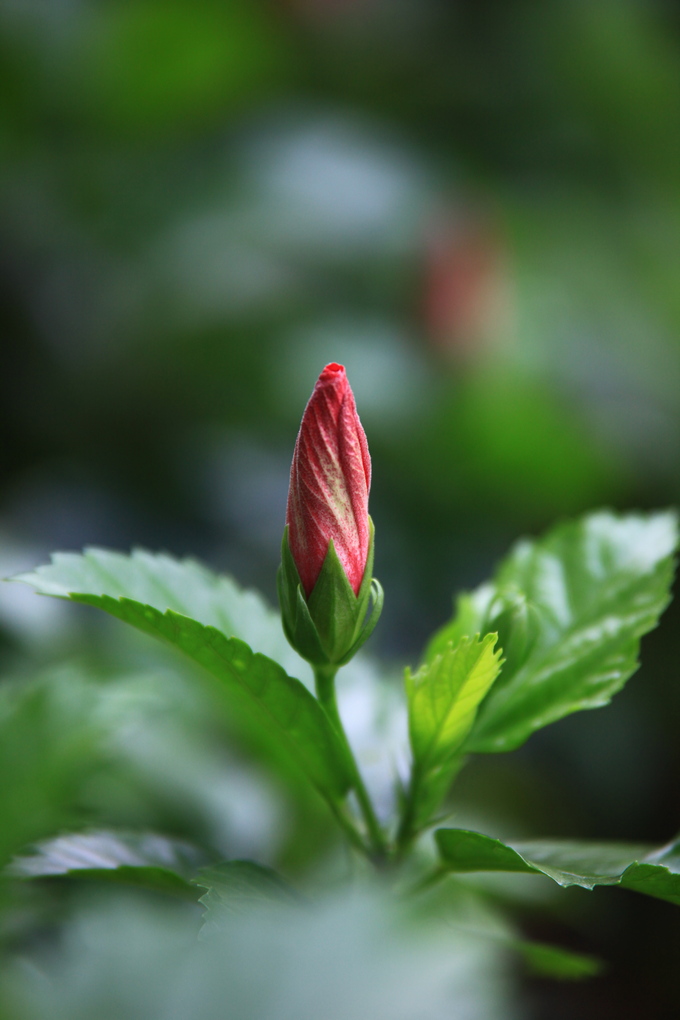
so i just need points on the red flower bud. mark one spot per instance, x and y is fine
(329, 482)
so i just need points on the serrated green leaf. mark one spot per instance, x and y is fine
(236, 887)
(640, 867)
(185, 586)
(257, 688)
(140, 859)
(444, 694)
(594, 587)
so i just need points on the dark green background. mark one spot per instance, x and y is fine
(202, 203)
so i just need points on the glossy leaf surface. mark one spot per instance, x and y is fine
(642, 868)
(574, 605)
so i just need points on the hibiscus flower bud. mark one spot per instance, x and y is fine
(325, 583)
(329, 482)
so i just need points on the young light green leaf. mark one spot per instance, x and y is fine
(444, 694)
(254, 687)
(639, 867)
(584, 595)
(442, 701)
(140, 859)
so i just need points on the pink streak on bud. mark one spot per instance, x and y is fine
(329, 482)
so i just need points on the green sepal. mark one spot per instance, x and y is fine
(377, 598)
(331, 625)
(334, 607)
(297, 623)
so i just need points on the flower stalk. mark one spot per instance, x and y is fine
(324, 680)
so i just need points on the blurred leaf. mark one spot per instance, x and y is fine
(542, 959)
(49, 748)
(640, 867)
(140, 859)
(350, 955)
(628, 81)
(253, 685)
(500, 438)
(594, 586)
(443, 697)
(555, 962)
(235, 887)
(152, 65)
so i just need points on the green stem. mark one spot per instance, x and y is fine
(406, 833)
(324, 678)
(408, 829)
